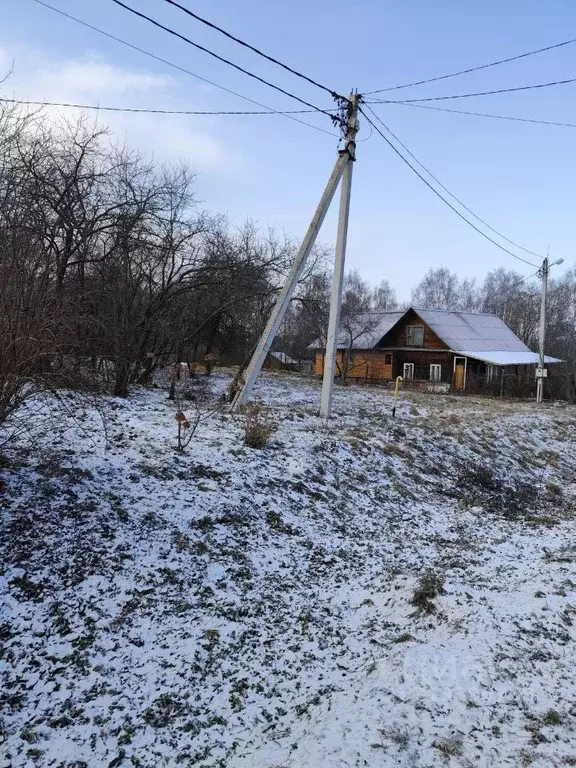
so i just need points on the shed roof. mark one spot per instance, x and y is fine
(508, 358)
(284, 358)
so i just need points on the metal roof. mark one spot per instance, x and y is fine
(283, 358)
(472, 331)
(470, 334)
(363, 331)
(508, 358)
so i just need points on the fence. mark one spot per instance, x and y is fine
(560, 386)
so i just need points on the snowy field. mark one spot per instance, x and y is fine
(371, 592)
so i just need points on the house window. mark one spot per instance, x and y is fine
(408, 371)
(414, 335)
(435, 372)
(490, 373)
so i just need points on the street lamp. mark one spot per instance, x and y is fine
(540, 371)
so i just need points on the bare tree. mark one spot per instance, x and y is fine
(384, 298)
(438, 289)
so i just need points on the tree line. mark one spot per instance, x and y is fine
(109, 267)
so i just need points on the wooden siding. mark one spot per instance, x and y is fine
(422, 361)
(396, 336)
(363, 364)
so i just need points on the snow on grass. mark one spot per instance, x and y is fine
(364, 592)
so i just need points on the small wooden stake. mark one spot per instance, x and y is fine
(398, 380)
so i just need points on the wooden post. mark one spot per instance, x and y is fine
(398, 380)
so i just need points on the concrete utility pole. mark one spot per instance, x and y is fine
(343, 162)
(349, 151)
(544, 270)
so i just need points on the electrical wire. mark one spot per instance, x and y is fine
(529, 277)
(478, 93)
(436, 192)
(452, 195)
(475, 69)
(485, 114)
(145, 111)
(219, 58)
(252, 48)
(181, 69)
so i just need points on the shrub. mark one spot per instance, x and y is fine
(200, 409)
(430, 585)
(258, 427)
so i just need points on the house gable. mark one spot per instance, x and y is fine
(403, 336)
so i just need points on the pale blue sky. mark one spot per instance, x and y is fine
(519, 177)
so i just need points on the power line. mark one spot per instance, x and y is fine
(479, 93)
(219, 58)
(452, 195)
(485, 114)
(146, 111)
(476, 69)
(179, 68)
(529, 277)
(437, 193)
(252, 48)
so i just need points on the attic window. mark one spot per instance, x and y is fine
(414, 335)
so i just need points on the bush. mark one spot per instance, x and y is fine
(258, 427)
(430, 585)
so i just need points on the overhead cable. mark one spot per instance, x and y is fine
(437, 193)
(219, 58)
(252, 48)
(145, 110)
(477, 93)
(474, 69)
(485, 114)
(179, 68)
(452, 195)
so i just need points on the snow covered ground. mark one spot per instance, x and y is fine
(371, 592)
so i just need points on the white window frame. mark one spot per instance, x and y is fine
(435, 372)
(410, 368)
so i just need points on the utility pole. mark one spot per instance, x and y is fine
(349, 152)
(540, 374)
(539, 381)
(343, 162)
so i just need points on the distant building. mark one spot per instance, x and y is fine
(280, 361)
(434, 349)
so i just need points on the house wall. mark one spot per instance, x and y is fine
(362, 364)
(422, 361)
(396, 337)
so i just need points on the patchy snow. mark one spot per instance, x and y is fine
(265, 608)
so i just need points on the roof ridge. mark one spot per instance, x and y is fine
(455, 311)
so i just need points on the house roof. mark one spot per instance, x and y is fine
(471, 331)
(508, 358)
(363, 331)
(470, 334)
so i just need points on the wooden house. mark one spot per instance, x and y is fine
(433, 349)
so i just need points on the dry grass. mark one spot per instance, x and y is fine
(258, 426)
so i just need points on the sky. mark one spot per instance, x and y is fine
(518, 177)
